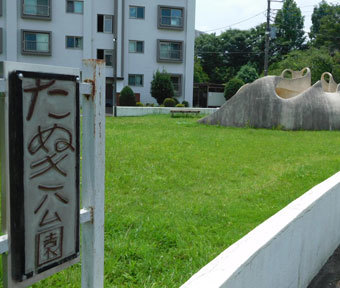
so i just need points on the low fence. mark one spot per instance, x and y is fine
(286, 251)
(141, 111)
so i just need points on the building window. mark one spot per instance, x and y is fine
(170, 51)
(74, 6)
(171, 17)
(136, 80)
(136, 46)
(74, 42)
(107, 55)
(36, 9)
(36, 42)
(137, 12)
(105, 23)
(176, 80)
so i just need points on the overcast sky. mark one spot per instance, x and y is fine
(216, 14)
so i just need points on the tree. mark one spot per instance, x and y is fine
(318, 13)
(237, 48)
(222, 56)
(257, 41)
(208, 48)
(247, 74)
(328, 30)
(199, 75)
(318, 60)
(336, 67)
(127, 97)
(232, 87)
(161, 86)
(289, 24)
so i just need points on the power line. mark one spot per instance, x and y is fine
(236, 22)
(303, 13)
(254, 16)
(227, 52)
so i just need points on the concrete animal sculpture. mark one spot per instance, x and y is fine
(277, 101)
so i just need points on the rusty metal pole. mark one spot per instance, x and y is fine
(114, 85)
(93, 175)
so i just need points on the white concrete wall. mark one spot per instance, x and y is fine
(286, 251)
(216, 99)
(141, 111)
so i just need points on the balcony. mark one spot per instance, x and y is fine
(36, 11)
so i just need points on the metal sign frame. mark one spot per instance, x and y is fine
(17, 183)
(93, 170)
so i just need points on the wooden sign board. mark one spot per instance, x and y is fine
(44, 173)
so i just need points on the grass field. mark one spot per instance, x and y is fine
(179, 193)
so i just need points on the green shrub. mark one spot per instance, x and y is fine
(161, 86)
(232, 87)
(127, 97)
(177, 102)
(180, 105)
(185, 103)
(150, 104)
(140, 104)
(169, 102)
(162, 105)
(247, 74)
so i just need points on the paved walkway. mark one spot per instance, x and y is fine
(329, 275)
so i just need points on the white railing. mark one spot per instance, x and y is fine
(85, 217)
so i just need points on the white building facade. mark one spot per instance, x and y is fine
(151, 35)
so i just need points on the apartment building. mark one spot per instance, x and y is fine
(149, 35)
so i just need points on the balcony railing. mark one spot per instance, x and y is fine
(173, 54)
(172, 21)
(36, 46)
(36, 10)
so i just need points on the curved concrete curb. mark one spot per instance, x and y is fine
(285, 251)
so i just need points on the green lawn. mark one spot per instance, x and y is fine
(179, 193)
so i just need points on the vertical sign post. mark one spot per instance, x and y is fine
(4, 155)
(93, 174)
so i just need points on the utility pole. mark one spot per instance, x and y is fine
(267, 34)
(266, 52)
(114, 102)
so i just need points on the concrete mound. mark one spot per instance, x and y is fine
(289, 103)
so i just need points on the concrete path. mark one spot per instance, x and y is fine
(329, 275)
